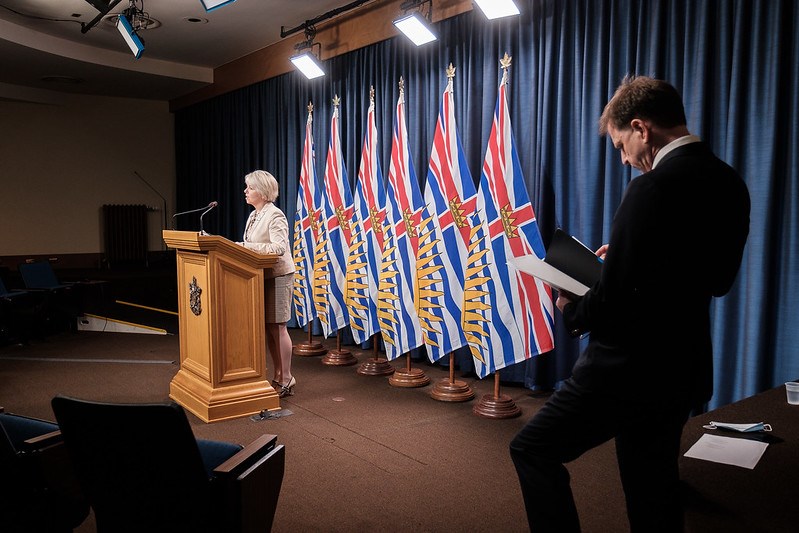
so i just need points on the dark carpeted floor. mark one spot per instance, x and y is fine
(361, 455)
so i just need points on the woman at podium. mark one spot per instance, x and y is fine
(267, 232)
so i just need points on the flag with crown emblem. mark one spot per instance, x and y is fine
(366, 243)
(307, 222)
(508, 313)
(337, 211)
(413, 299)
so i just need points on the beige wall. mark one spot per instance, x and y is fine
(63, 156)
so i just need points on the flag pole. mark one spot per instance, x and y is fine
(451, 389)
(310, 347)
(375, 366)
(340, 356)
(496, 405)
(409, 377)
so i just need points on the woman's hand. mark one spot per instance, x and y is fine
(602, 251)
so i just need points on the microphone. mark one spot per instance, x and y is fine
(207, 207)
(210, 206)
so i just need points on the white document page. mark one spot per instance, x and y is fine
(728, 451)
(549, 274)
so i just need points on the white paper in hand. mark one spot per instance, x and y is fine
(550, 275)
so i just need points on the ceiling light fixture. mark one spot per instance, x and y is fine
(308, 65)
(129, 22)
(129, 34)
(494, 9)
(210, 5)
(415, 26)
(305, 61)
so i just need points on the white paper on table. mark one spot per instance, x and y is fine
(728, 451)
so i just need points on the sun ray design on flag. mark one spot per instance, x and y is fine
(507, 314)
(363, 263)
(399, 322)
(321, 277)
(306, 224)
(300, 295)
(451, 196)
(413, 279)
(338, 211)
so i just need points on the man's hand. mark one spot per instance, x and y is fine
(564, 299)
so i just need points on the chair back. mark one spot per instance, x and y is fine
(39, 275)
(38, 489)
(139, 465)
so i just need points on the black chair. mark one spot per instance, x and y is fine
(142, 470)
(39, 275)
(17, 312)
(58, 303)
(38, 489)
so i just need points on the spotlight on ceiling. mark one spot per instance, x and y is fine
(133, 40)
(305, 60)
(415, 25)
(307, 63)
(210, 5)
(494, 9)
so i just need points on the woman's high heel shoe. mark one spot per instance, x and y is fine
(288, 389)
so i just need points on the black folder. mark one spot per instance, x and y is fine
(573, 258)
(568, 266)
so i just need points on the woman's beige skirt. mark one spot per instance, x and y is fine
(278, 298)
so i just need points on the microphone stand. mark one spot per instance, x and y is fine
(163, 200)
(210, 207)
(207, 207)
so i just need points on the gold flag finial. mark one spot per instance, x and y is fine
(336, 101)
(505, 61)
(372, 93)
(450, 71)
(310, 107)
(402, 85)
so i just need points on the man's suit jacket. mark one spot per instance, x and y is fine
(676, 240)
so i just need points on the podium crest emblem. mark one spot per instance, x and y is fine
(195, 303)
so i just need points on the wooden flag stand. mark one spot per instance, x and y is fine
(339, 356)
(496, 405)
(409, 377)
(452, 390)
(375, 366)
(310, 347)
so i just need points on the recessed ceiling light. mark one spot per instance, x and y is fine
(143, 23)
(195, 20)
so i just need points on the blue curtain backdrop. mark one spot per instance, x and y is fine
(736, 64)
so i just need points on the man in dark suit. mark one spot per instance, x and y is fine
(676, 241)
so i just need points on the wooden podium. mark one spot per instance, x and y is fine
(222, 335)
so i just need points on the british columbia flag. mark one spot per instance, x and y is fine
(505, 228)
(366, 243)
(338, 212)
(307, 222)
(413, 281)
(450, 189)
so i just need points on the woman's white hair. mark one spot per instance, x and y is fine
(264, 183)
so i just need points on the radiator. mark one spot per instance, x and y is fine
(125, 238)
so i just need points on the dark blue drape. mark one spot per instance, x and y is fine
(735, 62)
